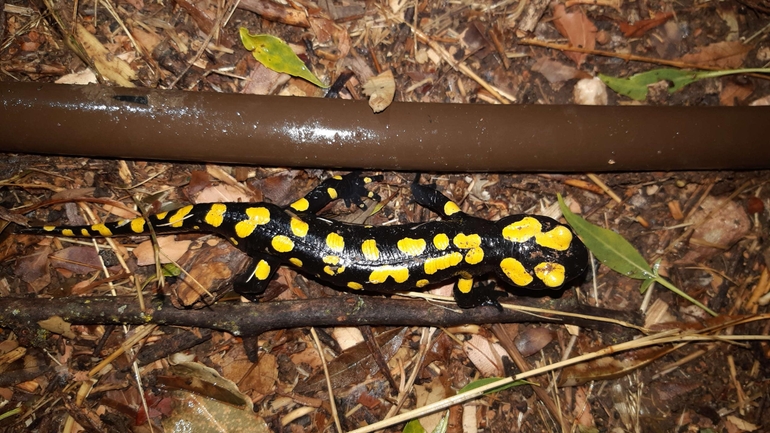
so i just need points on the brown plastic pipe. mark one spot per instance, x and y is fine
(98, 121)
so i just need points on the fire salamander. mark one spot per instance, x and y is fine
(528, 251)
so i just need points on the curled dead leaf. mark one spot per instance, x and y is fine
(381, 90)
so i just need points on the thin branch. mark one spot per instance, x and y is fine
(252, 319)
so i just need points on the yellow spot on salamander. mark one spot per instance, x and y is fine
(367, 179)
(334, 270)
(282, 244)
(296, 262)
(234, 241)
(515, 271)
(552, 274)
(370, 250)
(355, 286)
(464, 285)
(440, 263)
(300, 205)
(49, 228)
(381, 273)
(467, 241)
(332, 193)
(331, 260)
(84, 232)
(137, 225)
(161, 216)
(558, 238)
(257, 216)
(451, 208)
(67, 232)
(474, 256)
(411, 247)
(441, 241)
(262, 271)
(421, 283)
(335, 242)
(337, 177)
(102, 229)
(177, 219)
(215, 216)
(299, 227)
(522, 230)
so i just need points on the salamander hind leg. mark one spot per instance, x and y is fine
(254, 280)
(469, 296)
(350, 188)
(432, 199)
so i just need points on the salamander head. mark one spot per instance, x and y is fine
(540, 253)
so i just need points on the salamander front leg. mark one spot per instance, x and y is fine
(349, 188)
(432, 199)
(468, 296)
(253, 282)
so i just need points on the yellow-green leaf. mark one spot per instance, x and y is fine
(277, 55)
(413, 426)
(609, 247)
(486, 381)
(635, 86)
(619, 255)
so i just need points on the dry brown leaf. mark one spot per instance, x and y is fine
(108, 64)
(261, 379)
(148, 40)
(120, 212)
(725, 227)
(532, 340)
(77, 259)
(426, 395)
(263, 80)
(555, 71)
(485, 355)
(381, 90)
(723, 55)
(171, 248)
(577, 28)
(327, 31)
(86, 76)
(741, 424)
(582, 412)
(610, 367)
(33, 268)
(347, 336)
(57, 325)
(639, 28)
(734, 94)
(222, 193)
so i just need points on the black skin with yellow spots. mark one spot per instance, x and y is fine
(530, 251)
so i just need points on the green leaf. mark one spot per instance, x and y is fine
(171, 270)
(635, 86)
(482, 382)
(646, 285)
(609, 247)
(619, 255)
(277, 55)
(413, 426)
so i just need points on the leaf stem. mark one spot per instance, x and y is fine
(662, 281)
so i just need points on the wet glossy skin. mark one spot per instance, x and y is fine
(523, 250)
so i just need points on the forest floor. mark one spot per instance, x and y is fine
(705, 229)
